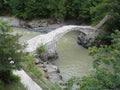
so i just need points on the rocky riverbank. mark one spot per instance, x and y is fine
(50, 71)
(42, 25)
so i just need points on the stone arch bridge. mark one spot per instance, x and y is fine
(87, 36)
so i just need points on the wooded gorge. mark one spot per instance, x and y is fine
(85, 11)
(106, 53)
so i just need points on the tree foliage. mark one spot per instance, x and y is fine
(27, 9)
(84, 10)
(107, 7)
(106, 66)
(11, 53)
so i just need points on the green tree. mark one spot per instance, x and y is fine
(106, 7)
(11, 53)
(106, 66)
(5, 9)
(56, 8)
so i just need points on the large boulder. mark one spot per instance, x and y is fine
(87, 39)
(55, 78)
(48, 56)
(51, 68)
(52, 73)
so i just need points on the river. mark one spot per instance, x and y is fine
(25, 34)
(73, 59)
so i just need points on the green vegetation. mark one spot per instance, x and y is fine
(41, 49)
(107, 7)
(107, 56)
(35, 73)
(86, 11)
(13, 86)
(107, 68)
(11, 54)
(30, 65)
(56, 9)
(12, 57)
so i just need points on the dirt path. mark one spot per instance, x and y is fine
(27, 81)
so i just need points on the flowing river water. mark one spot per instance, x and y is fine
(26, 35)
(73, 59)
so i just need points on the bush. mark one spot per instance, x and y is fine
(56, 9)
(32, 67)
(106, 66)
(8, 77)
(41, 49)
(11, 53)
(1, 84)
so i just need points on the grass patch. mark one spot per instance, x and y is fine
(13, 86)
(34, 72)
(41, 49)
(32, 67)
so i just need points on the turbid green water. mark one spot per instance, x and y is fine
(26, 35)
(73, 59)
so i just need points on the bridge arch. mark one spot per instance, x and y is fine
(50, 39)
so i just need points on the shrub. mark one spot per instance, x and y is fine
(11, 53)
(32, 67)
(41, 49)
(1, 84)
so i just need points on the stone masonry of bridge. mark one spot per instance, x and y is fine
(87, 34)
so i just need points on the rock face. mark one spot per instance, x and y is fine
(42, 25)
(85, 40)
(48, 56)
(52, 72)
(14, 22)
(38, 23)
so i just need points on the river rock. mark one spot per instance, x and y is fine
(51, 68)
(55, 78)
(52, 56)
(87, 39)
(13, 21)
(46, 62)
(38, 23)
(44, 56)
(37, 61)
(41, 29)
(48, 56)
(36, 55)
(51, 72)
(44, 69)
